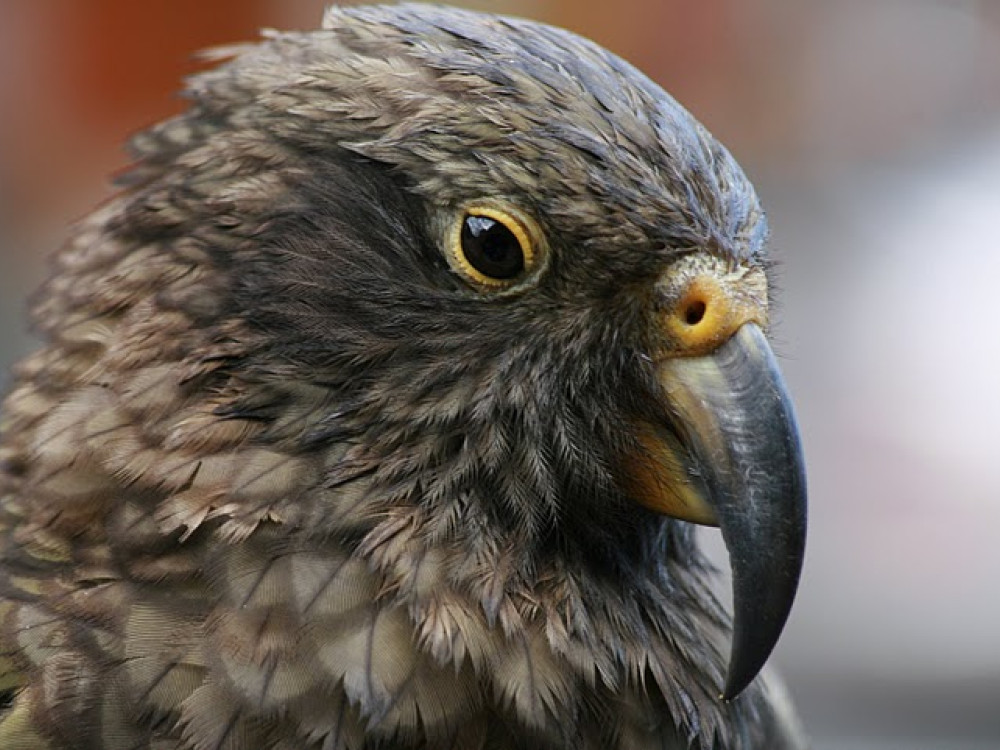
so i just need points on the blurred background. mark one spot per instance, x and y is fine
(872, 130)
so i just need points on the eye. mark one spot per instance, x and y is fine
(492, 247)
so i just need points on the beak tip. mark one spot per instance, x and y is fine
(760, 615)
(736, 683)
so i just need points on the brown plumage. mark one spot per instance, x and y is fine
(289, 472)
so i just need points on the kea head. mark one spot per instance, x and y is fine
(531, 290)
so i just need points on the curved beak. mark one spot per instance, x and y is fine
(735, 454)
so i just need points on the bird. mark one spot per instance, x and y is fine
(381, 404)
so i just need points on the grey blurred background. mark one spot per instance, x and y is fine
(872, 129)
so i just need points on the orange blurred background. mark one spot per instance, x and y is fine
(872, 129)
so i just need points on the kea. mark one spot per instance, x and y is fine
(379, 408)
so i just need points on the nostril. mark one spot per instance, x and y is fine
(694, 312)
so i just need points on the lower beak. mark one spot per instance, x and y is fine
(734, 451)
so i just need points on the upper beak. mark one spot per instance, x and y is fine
(730, 454)
(735, 419)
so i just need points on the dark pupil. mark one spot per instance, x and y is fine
(491, 248)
